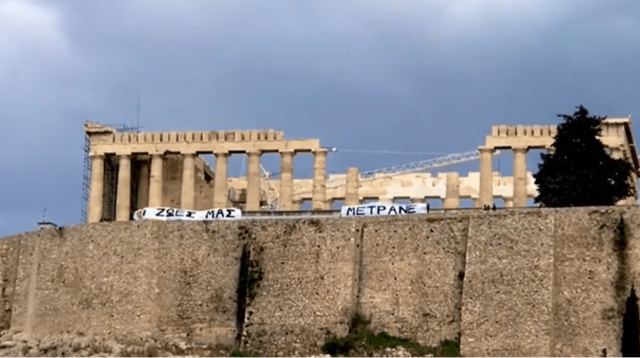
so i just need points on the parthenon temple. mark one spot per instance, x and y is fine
(132, 170)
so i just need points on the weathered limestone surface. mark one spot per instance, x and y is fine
(508, 279)
(587, 311)
(307, 286)
(197, 279)
(9, 254)
(520, 282)
(128, 279)
(411, 277)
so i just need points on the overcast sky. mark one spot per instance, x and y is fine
(413, 76)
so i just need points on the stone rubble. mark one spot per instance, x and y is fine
(17, 344)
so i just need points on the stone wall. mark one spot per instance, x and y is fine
(411, 276)
(308, 270)
(518, 282)
(9, 254)
(548, 282)
(508, 282)
(128, 280)
(587, 311)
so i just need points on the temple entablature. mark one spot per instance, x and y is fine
(236, 141)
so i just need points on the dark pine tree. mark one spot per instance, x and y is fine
(631, 327)
(579, 171)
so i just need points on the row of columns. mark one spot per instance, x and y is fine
(519, 177)
(187, 194)
(451, 199)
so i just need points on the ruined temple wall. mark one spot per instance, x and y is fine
(203, 191)
(172, 185)
(172, 181)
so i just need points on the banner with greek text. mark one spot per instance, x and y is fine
(166, 214)
(379, 209)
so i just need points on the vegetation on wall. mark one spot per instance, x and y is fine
(362, 341)
(579, 171)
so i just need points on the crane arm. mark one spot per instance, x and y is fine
(449, 159)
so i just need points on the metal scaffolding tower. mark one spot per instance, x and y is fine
(110, 175)
(86, 180)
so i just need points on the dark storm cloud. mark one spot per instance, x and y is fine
(404, 75)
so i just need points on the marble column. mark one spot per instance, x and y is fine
(96, 191)
(486, 177)
(318, 200)
(187, 197)
(285, 200)
(155, 181)
(508, 202)
(253, 182)
(452, 193)
(519, 177)
(352, 197)
(123, 198)
(220, 194)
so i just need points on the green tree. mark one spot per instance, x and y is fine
(578, 171)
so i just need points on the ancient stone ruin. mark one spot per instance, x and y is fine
(131, 170)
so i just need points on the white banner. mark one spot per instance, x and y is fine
(379, 209)
(166, 214)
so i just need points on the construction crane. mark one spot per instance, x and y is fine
(449, 159)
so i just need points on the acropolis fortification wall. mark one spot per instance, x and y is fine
(513, 282)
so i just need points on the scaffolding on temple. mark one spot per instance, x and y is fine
(86, 180)
(110, 174)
